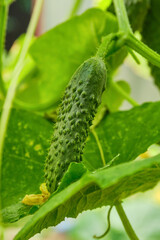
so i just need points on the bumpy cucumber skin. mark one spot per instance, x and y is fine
(77, 110)
(151, 35)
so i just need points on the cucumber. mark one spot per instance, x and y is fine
(77, 110)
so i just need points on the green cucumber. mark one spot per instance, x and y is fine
(77, 110)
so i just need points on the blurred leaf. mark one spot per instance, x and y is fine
(104, 187)
(116, 59)
(124, 135)
(6, 2)
(151, 35)
(26, 144)
(114, 99)
(138, 8)
(143, 213)
(10, 60)
(60, 51)
(103, 4)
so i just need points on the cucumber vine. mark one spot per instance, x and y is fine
(92, 77)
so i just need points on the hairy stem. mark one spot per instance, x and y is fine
(129, 230)
(15, 76)
(132, 42)
(121, 13)
(124, 94)
(76, 6)
(3, 23)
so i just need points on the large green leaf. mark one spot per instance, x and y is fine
(60, 51)
(26, 144)
(104, 187)
(124, 135)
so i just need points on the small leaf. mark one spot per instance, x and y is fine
(93, 190)
(124, 135)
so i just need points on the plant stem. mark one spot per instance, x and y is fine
(118, 206)
(3, 23)
(108, 227)
(133, 55)
(76, 6)
(122, 16)
(99, 146)
(124, 94)
(129, 230)
(144, 50)
(15, 76)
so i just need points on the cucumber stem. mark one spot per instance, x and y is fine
(122, 16)
(132, 42)
(127, 226)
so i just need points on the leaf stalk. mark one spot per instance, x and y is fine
(128, 228)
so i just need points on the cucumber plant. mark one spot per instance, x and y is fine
(66, 78)
(81, 99)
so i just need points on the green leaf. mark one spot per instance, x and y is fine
(74, 173)
(104, 187)
(103, 4)
(25, 149)
(59, 52)
(124, 135)
(6, 2)
(114, 99)
(151, 35)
